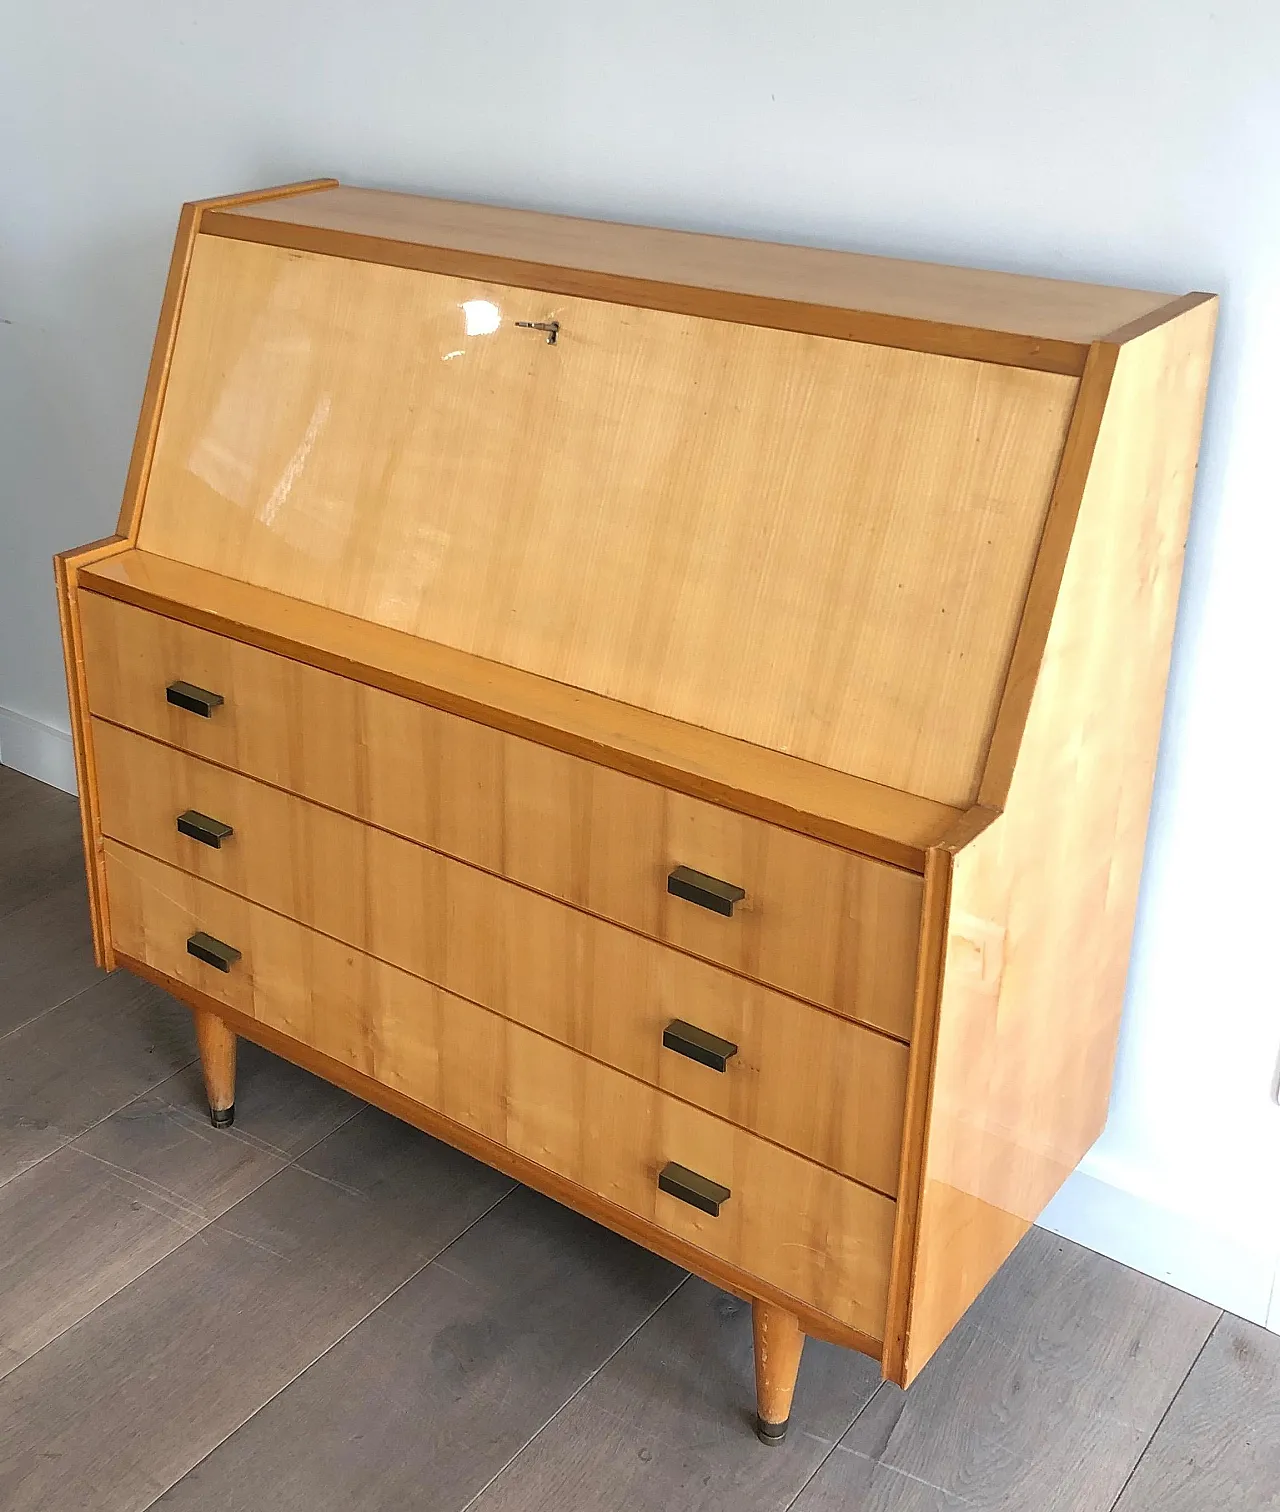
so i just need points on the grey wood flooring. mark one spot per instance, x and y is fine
(324, 1309)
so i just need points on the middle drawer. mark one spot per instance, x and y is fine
(802, 1077)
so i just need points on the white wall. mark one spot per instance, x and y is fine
(1132, 141)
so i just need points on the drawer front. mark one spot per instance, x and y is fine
(816, 921)
(805, 1078)
(812, 1233)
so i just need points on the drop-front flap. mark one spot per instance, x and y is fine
(815, 545)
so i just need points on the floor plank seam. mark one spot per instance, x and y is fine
(836, 1443)
(333, 1344)
(111, 1113)
(1151, 1437)
(193, 1233)
(573, 1395)
(53, 1007)
(183, 1209)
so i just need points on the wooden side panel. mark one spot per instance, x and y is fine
(798, 1226)
(818, 546)
(66, 573)
(216, 628)
(1043, 900)
(811, 1081)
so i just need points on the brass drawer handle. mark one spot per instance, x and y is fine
(706, 892)
(212, 952)
(707, 1049)
(194, 700)
(688, 1186)
(207, 831)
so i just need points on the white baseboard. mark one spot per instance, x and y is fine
(41, 751)
(1239, 1273)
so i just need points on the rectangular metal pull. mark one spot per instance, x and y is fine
(207, 831)
(194, 700)
(688, 1186)
(213, 952)
(706, 892)
(698, 1045)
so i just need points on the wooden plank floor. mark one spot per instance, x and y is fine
(324, 1309)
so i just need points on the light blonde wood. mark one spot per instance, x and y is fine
(1030, 320)
(819, 922)
(803, 1228)
(1043, 899)
(935, 915)
(67, 567)
(777, 563)
(817, 1325)
(130, 651)
(554, 508)
(801, 1077)
(779, 1342)
(217, 1045)
(162, 351)
(1046, 576)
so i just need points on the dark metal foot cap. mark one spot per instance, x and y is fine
(222, 1118)
(770, 1433)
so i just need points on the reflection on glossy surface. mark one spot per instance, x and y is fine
(483, 317)
(765, 533)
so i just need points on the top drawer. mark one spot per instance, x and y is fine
(822, 923)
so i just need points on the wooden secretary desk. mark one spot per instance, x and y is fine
(674, 717)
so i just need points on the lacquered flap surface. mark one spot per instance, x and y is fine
(815, 545)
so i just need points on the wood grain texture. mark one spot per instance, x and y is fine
(162, 351)
(554, 508)
(66, 572)
(935, 914)
(794, 1224)
(1219, 1445)
(223, 627)
(217, 1060)
(804, 1078)
(501, 1157)
(434, 1392)
(1044, 1397)
(126, 1401)
(834, 928)
(1046, 575)
(628, 263)
(667, 1422)
(779, 1343)
(1035, 970)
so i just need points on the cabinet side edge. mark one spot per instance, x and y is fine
(66, 568)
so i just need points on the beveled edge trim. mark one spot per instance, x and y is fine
(1047, 571)
(909, 333)
(1158, 317)
(868, 843)
(144, 441)
(934, 917)
(67, 566)
(518, 1167)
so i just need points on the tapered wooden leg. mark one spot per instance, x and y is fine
(778, 1345)
(218, 1062)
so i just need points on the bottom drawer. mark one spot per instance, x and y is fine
(798, 1226)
